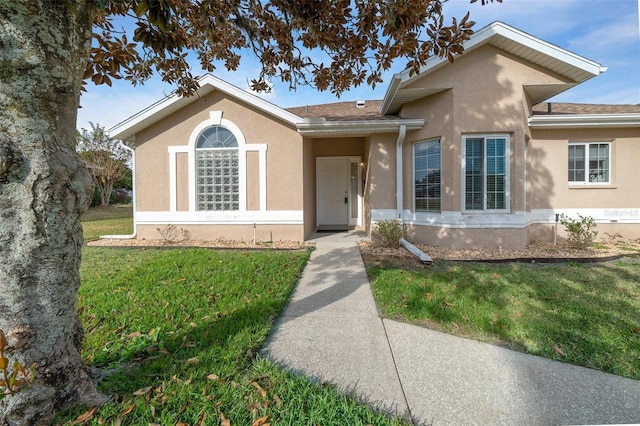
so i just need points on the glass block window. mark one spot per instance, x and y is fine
(217, 171)
(427, 185)
(486, 173)
(589, 162)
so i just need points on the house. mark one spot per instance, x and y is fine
(466, 154)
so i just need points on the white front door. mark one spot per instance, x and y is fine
(333, 192)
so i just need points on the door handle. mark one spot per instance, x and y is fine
(346, 200)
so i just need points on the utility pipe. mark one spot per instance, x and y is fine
(402, 133)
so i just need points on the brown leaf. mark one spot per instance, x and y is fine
(194, 360)
(557, 349)
(86, 416)
(203, 418)
(261, 421)
(134, 335)
(127, 411)
(277, 400)
(143, 391)
(634, 329)
(262, 391)
(223, 420)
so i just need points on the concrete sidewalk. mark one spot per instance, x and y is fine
(331, 332)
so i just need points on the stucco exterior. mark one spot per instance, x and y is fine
(493, 91)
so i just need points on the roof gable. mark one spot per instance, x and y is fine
(576, 69)
(170, 104)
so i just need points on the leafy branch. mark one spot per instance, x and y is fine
(16, 381)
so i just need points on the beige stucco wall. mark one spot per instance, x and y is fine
(548, 176)
(284, 155)
(381, 172)
(485, 96)
(240, 232)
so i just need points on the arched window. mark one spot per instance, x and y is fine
(217, 170)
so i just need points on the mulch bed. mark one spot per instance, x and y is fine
(538, 252)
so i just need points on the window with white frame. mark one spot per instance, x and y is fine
(589, 162)
(217, 170)
(427, 176)
(486, 173)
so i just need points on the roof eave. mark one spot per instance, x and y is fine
(359, 127)
(127, 129)
(584, 121)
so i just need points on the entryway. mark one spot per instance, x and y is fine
(338, 193)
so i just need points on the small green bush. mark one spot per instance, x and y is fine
(581, 232)
(389, 232)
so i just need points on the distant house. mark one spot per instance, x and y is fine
(466, 154)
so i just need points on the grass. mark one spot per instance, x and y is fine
(177, 333)
(107, 220)
(582, 314)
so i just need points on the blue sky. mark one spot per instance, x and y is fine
(606, 31)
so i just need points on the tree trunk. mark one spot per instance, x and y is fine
(44, 188)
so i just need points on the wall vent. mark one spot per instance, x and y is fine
(359, 104)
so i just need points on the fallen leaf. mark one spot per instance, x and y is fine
(212, 376)
(428, 296)
(277, 400)
(223, 420)
(192, 361)
(261, 421)
(262, 391)
(202, 419)
(134, 335)
(87, 415)
(143, 391)
(557, 349)
(634, 329)
(193, 325)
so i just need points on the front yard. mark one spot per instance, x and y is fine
(585, 314)
(175, 335)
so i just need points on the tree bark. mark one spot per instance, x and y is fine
(44, 188)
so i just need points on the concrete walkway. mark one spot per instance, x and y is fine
(331, 332)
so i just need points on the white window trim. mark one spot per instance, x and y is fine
(586, 164)
(413, 182)
(215, 119)
(463, 169)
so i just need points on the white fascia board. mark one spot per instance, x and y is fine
(584, 120)
(329, 128)
(208, 83)
(391, 92)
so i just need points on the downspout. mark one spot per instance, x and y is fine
(402, 133)
(133, 195)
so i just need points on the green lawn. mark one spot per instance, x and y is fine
(583, 314)
(107, 220)
(178, 331)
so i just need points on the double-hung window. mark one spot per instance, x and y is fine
(217, 170)
(486, 173)
(589, 162)
(427, 184)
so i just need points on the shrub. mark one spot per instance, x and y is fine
(389, 232)
(581, 232)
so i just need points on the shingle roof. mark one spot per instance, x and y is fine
(343, 111)
(558, 108)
